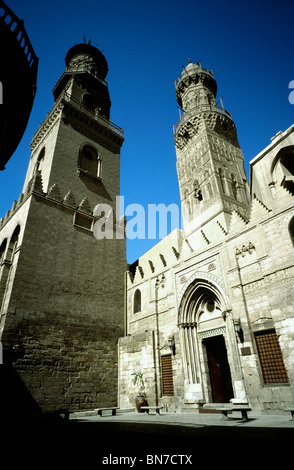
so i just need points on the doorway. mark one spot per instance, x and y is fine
(219, 369)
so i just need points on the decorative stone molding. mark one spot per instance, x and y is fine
(214, 332)
(69, 200)
(46, 125)
(175, 252)
(54, 193)
(84, 206)
(36, 184)
(221, 227)
(208, 277)
(242, 251)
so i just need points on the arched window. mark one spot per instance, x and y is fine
(234, 185)
(13, 242)
(89, 161)
(209, 190)
(291, 230)
(283, 168)
(41, 155)
(40, 160)
(2, 249)
(137, 301)
(7, 266)
(287, 163)
(221, 179)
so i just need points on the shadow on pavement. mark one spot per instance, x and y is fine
(43, 442)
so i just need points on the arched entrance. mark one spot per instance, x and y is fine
(207, 343)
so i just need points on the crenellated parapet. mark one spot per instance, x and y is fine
(84, 213)
(177, 248)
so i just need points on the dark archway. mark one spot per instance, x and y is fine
(219, 370)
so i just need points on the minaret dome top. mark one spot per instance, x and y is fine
(82, 57)
(195, 74)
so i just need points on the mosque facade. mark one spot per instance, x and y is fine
(209, 309)
(205, 316)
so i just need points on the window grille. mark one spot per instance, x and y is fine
(167, 375)
(271, 358)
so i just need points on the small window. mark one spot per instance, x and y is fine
(287, 163)
(221, 180)
(137, 301)
(234, 185)
(14, 237)
(283, 168)
(291, 230)
(210, 305)
(2, 249)
(271, 358)
(82, 221)
(40, 160)
(41, 155)
(13, 243)
(167, 375)
(88, 160)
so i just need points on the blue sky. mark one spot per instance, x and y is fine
(248, 44)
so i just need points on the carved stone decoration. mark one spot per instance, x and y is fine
(211, 267)
(54, 193)
(36, 183)
(214, 332)
(69, 200)
(85, 206)
(242, 251)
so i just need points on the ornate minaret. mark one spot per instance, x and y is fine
(210, 163)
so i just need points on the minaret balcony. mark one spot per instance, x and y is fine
(189, 115)
(93, 113)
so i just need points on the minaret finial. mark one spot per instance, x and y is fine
(85, 40)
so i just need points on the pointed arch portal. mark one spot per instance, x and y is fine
(204, 338)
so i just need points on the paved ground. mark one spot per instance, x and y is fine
(132, 440)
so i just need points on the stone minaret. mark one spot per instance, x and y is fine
(61, 289)
(210, 163)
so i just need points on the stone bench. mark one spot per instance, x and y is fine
(291, 411)
(242, 409)
(148, 408)
(113, 410)
(226, 408)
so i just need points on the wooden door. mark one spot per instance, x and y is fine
(219, 370)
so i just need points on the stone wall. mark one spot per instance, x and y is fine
(65, 311)
(250, 267)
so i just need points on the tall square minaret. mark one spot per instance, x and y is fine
(62, 289)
